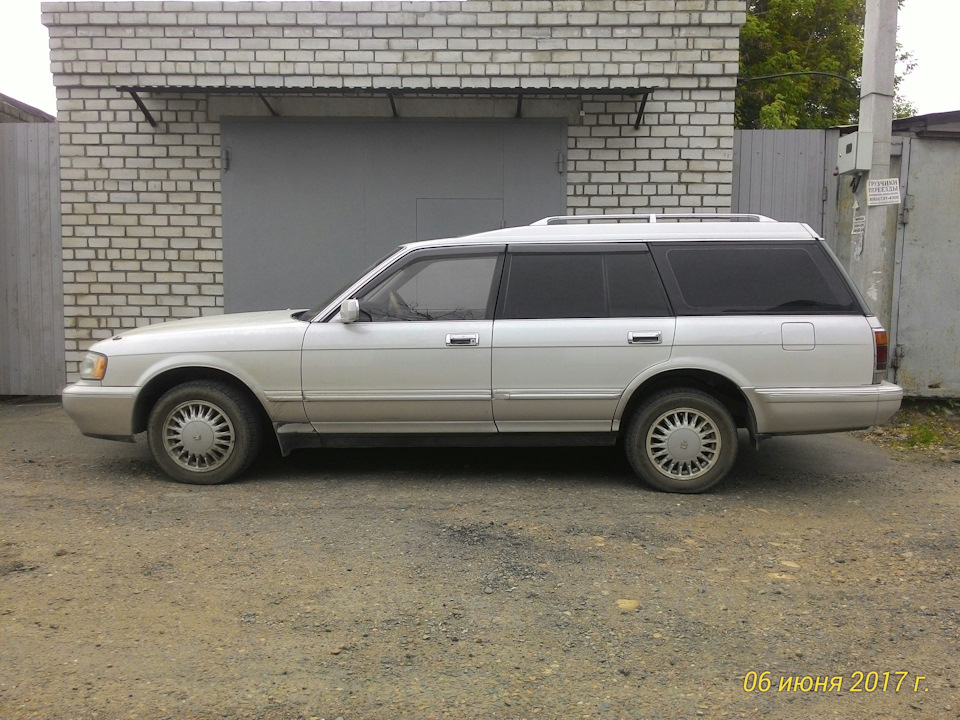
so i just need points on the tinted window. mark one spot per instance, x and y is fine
(581, 285)
(433, 288)
(715, 279)
(634, 286)
(554, 286)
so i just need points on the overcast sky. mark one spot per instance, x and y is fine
(928, 28)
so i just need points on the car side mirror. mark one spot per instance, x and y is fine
(349, 310)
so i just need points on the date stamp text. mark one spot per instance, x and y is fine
(858, 681)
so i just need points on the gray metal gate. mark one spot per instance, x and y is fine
(926, 291)
(31, 293)
(307, 204)
(787, 175)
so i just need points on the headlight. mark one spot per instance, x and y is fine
(93, 367)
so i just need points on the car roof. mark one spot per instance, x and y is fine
(636, 228)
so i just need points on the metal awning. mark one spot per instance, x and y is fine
(641, 93)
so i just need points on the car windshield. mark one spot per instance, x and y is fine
(308, 315)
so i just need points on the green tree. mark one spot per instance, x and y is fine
(790, 36)
(902, 107)
(806, 36)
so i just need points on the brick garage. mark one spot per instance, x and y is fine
(141, 202)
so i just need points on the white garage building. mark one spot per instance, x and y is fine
(239, 155)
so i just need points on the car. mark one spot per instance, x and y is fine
(666, 334)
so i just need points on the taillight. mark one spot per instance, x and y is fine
(880, 347)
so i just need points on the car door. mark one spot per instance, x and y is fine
(418, 358)
(574, 326)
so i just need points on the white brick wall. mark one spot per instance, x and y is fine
(141, 205)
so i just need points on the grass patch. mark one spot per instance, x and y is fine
(921, 435)
(922, 426)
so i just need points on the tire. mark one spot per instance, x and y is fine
(204, 433)
(681, 440)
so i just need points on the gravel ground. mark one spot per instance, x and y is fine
(475, 584)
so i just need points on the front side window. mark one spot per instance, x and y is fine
(581, 284)
(457, 287)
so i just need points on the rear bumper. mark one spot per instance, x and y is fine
(814, 410)
(101, 412)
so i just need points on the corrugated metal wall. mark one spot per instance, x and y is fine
(787, 175)
(31, 273)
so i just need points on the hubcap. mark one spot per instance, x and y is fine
(198, 436)
(683, 443)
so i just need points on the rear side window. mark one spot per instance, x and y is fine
(753, 278)
(542, 283)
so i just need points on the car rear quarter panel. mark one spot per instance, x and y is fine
(817, 380)
(764, 352)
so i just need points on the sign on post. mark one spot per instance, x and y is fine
(883, 192)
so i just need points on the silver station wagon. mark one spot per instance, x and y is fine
(662, 333)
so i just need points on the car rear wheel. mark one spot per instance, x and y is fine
(681, 440)
(204, 433)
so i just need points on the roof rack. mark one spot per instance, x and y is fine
(654, 218)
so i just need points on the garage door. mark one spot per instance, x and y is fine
(308, 204)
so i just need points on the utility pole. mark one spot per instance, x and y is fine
(873, 256)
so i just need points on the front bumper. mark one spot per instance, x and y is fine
(815, 410)
(101, 412)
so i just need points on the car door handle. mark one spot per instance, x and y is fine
(644, 338)
(467, 339)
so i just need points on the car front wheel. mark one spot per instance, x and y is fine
(681, 440)
(204, 433)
